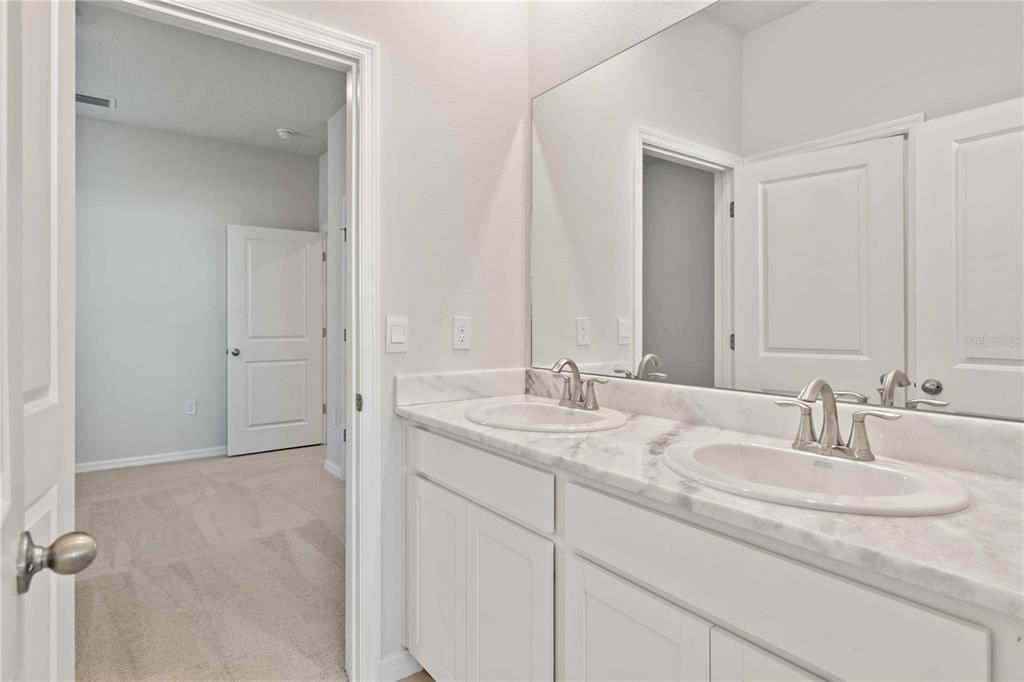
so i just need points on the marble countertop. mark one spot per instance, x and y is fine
(976, 556)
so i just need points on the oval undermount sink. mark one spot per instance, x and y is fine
(549, 417)
(803, 479)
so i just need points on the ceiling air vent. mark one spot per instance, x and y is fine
(96, 101)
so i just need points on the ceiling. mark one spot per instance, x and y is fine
(173, 79)
(746, 15)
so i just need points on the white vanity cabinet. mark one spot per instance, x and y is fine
(736, 660)
(480, 587)
(616, 631)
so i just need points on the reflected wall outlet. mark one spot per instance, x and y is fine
(582, 331)
(190, 406)
(462, 333)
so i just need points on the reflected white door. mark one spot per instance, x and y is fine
(819, 268)
(275, 339)
(969, 289)
(37, 328)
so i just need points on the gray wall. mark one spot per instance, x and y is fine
(151, 323)
(679, 271)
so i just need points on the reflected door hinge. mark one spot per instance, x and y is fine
(359, 402)
(325, 408)
(344, 234)
(732, 342)
(325, 332)
(732, 209)
(344, 335)
(344, 435)
(324, 254)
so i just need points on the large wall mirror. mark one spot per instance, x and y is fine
(770, 192)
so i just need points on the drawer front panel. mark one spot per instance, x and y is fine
(519, 491)
(847, 630)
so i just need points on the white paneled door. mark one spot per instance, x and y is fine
(275, 339)
(819, 268)
(37, 329)
(969, 287)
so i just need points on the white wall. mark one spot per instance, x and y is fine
(679, 271)
(584, 150)
(567, 38)
(831, 67)
(454, 172)
(152, 213)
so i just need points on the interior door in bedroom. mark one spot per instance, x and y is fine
(275, 339)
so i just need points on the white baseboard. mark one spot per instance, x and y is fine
(180, 455)
(398, 665)
(334, 470)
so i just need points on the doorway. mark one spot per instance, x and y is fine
(37, 466)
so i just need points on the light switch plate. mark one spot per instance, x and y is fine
(396, 333)
(625, 331)
(582, 331)
(190, 407)
(462, 332)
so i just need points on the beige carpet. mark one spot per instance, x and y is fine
(215, 569)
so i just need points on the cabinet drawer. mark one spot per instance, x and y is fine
(848, 630)
(516, 490)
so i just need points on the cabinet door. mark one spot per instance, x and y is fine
(735, 660)
(510, 600)
(436, 559)
(617, 631)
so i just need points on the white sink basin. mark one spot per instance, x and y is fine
(549, 417)
(803, 479)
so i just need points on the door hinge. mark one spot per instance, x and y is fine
(324, 254)
(344, 234)
(732, 209)
(325, 408)
(344, 335)
(325, 332)
(359, 402)
(732, 342)
(344, 435)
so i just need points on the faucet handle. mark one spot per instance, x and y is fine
(626, 374)
(860, 447)
(805, 434)
(914, 403)
(566, 386)
(589, 395)
(851, 397)
(657, 376)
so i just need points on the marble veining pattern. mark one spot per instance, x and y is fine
(975, 556)
(416, 389)
(987, 446)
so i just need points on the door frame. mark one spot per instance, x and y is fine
(647, 142)
(281, 33)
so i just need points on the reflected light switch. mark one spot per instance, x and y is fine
(625, 331)
(397, 333)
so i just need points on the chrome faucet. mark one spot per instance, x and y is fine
(577, 392)
(572, 385)
(830, 436)
(891, 380)
(830, 442)
(649, 362)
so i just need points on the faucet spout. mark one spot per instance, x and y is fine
(819, 388)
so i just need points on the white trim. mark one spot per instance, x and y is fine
(143, 460)
(899, 126)
(272, 30)
(649, 142)
(398, 665)
(334, 470)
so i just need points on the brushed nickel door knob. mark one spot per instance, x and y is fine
(68, 554)
(236, 352)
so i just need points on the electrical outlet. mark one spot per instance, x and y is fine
(190, 407)
(582, 331)
(462, 333)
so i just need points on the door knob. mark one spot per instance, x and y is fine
(69, 554)
(931, 386)
(236, 352)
